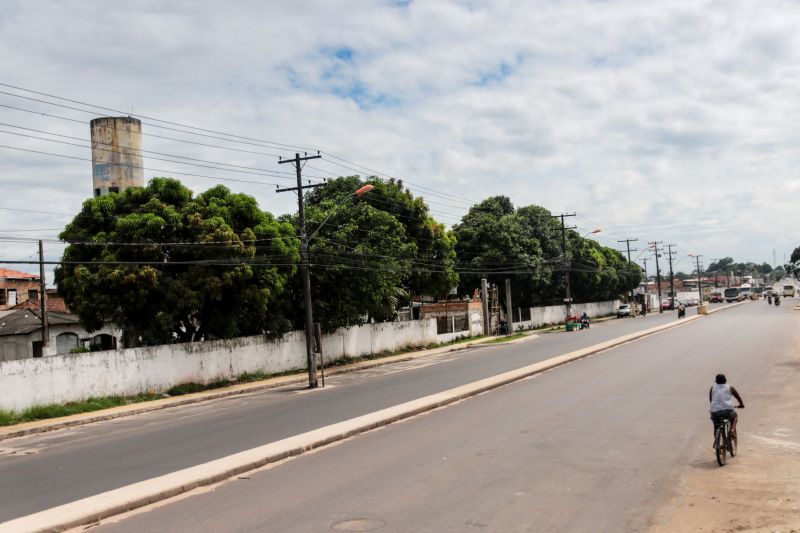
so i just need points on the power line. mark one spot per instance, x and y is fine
(144, 168)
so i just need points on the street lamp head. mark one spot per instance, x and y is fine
(364, 190)
(595, 231)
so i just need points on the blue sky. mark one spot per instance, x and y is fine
(664, 120)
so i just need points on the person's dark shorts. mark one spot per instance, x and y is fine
(719, 416)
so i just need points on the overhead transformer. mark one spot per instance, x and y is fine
(116, 154)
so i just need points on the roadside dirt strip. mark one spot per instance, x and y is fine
(759, 490)
(95, 508)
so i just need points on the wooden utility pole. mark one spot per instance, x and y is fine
(487, 327)
(305, 265)
(699, 289)
(509, 309)
(628, 242)
(654, 245)
(670, 255)
(565, 259)
(43, 302)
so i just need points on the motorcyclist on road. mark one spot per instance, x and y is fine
(769, 299)
(584, 321)
(777, 300)
(681, 310)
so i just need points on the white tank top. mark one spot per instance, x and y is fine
(721, 397)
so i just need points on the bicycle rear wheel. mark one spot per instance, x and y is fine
(720, 446)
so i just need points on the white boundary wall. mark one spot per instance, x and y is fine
(63, 378)
(73, 377)
(555, 314)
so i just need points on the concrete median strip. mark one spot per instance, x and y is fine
(100, 506)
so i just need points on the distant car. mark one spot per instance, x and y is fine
(666, 304)
(624, 310)
(717, 299)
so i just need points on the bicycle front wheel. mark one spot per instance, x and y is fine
(720, 447)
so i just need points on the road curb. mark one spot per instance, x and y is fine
(95, 508)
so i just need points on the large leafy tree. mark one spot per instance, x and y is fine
(370, 253)
(525, 245)
(497, 243)
(167, 266)
(598, 272)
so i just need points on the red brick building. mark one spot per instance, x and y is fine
(17, 287)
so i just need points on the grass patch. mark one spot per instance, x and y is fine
(43, 412)
(507, 338)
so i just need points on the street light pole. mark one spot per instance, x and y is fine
(304, 263)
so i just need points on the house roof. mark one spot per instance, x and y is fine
(16, 274)
(23, 321)
(55, 304)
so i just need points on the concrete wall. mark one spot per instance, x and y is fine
(64, 378)
(555, 314)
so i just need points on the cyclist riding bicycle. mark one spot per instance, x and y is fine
(721, 397)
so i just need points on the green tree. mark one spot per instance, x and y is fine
(496, 243)
(365, 252)
(166, 266)
(432, 258)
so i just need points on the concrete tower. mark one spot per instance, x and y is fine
(116, 154)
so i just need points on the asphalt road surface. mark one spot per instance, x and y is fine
(42, 471)
(595, 445)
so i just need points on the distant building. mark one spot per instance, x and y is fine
(17, 287)
(21, 334)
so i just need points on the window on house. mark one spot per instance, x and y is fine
(37, 348)
(113, 189)
(12, 297)
(33, 295)
(2, 297)
(97, 192)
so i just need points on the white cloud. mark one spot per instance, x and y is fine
(671, 121)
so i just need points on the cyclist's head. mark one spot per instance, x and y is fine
(721, 379)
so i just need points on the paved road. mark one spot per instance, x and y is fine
(597, 445)
(42, 471)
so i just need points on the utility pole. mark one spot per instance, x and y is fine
(43, 303)
(509, 309)
(485, 308)
(646, 292)
(699, 289)
(305, 265)
(670, 255)
(628, 242)
(567, 295)
(654, 245)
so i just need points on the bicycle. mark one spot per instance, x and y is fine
(724, 442)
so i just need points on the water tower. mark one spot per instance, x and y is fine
(116, 154)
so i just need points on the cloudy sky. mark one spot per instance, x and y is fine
(672, 121)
